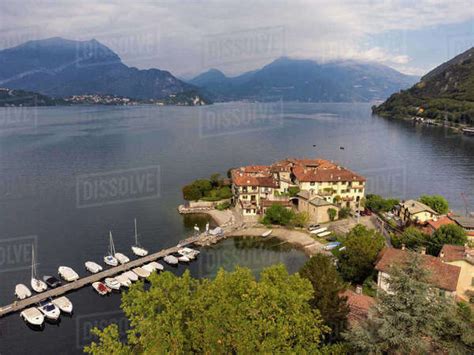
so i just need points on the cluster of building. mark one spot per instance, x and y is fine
(96, 99)
(308, 185)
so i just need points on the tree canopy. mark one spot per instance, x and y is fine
(412, 319)
(447, 234)
(412, 237)
(436, 202)
(208, 190)
(232, 313)
(327, 288)
(362, 245)
(377, 203)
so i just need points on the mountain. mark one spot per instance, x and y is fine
(445, 94)
(307, 80)
(60, 68)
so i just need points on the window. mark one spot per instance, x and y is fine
(312, 183)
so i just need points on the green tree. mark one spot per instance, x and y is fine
(412, 237)
(215, 180)
(232, 313)
(277, 214)
(293, 191)
(447, 234)
(362, 245)
(377, 203)
(436, 202)
(300, 219)
(203, 185)
(332, 213)
(327, 288)
(344, 212)
(411, 318)
(191, 193)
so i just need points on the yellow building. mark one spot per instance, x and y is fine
(416, 212)
(463, 257)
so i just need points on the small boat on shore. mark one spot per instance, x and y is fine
(33, 316)
(93, 267)
(101, 288)
(22, 292)
(112, 283)
(319, 230)
(67, 273)
(49, 310)
(156, 266)
(131, 275)
(324, 234)
(123, 280)
(141, 272)
(52, 281)
(170, 259)
(267, 233)
(182, 258)
(137, 249)
(468, 131)
(64, 304)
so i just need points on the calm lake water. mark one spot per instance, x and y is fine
(69, 175)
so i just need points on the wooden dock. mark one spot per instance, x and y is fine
(88, 280)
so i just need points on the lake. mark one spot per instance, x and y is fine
(68, 175)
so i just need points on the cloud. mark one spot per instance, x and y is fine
(175, 35)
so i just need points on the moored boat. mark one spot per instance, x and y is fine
(67, 273)
(101, 288)
(141, 272)
(122, 259)
(22, 292)
(52, 281)
(33, 316)
(64, 304)
(112, 283)
(131, 276)
(170, 259)
(189, 253)
(93, 267)
(49, 310)
(123, 280)
(267, 233)
(110, 259)
(36, 284)
(137, 249)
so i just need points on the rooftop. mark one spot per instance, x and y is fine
(414, 207)
(464, 221)
(441, 275)
(456, 252)
(359, 305)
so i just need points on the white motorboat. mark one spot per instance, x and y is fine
(141, 272)
(188, 252)
(324, 234)
(67, 273)
(122, 259)
(112, 283)
(267, 233)
(22, 292)
(137, 249)
(64, 304)
(110, 259)
(183, 258)
(49, 310)
(93, 267)
(33, 316)
(131, 276)
(123, 280)
(156, 266)
(101, 288)
(36, 284)
(170, 259)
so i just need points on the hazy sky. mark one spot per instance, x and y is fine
(191, 36)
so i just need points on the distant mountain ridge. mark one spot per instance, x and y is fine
(59, 67)
(445, 94)
(307, 81)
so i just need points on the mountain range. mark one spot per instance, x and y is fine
(58, 67)
(445, 94)
(307, 81)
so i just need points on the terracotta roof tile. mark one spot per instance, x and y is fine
(442, 275)
(359, 305)
(456, 252)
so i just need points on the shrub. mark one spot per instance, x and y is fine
(344, 212)
(332, 212)
(277, 214)
(191, 193)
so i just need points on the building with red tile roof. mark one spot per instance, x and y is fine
(359, 306)
(463, 257)
(441, 275)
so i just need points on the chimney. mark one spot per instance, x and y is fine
(423, 250)
(441, 254)
(403, 247)
(359, 289)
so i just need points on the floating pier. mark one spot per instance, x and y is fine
(88, 280)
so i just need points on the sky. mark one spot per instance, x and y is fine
(188, 37)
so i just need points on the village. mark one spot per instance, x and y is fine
(314, 203)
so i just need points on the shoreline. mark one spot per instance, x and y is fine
(233, 226)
